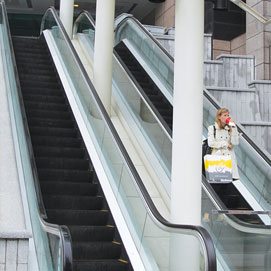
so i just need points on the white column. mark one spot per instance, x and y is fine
(66, 15)
(103, 50)
(188, 112)
(187, 127)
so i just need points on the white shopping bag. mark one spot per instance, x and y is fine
(218, 168)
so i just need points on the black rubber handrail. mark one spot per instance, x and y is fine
(60, 231)
(152, 210)
(126, 17)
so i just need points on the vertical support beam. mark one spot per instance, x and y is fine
(103, 50)
(188, 112)
(187, 130)
(66, 15)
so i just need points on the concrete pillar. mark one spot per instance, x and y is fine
(258, 38)
(103, 50)
(66, 15)
(187, 124)
(188, 112)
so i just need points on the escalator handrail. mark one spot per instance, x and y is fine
(81, 14)
(61, 232)
(121, 19)
(258, 149)
(202, 234)
(235, 222)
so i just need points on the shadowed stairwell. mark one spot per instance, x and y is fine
(70, 188)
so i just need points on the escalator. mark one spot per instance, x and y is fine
(228, 193)
(61, 133)
(70, 188)
(151, 90)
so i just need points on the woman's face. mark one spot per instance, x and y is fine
(223, 118)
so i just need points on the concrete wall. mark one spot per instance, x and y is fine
(258, 38)
(165, 14)
(236, 46)
(14, 251)
(13, 237)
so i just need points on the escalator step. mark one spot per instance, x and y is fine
(53, 131)
(39, 84)
(45, 106)
(92, 233)
(43, 99)
(43, 91)
(77, 217)
(39, 77)
(68, 188)
(95, 250)
(42, 68)
(45, 114)
(53, 141)
(66, 176)
(73, 202)
(112, 265)
(59, 152)
(62, 163)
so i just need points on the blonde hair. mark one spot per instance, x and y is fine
(218, 114)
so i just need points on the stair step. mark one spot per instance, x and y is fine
(46, 106)
(21, 58)
(95, 250)
(100, 265)
(46, 114)
(62, 163)
(54, 141)
(50, 122)
(92, 233)
(42, 68)
(77, 217)
(19, 43)
(67, 176)
(43, 91)
(44, 99)
(31, 50)
(73, 202)
(68, 188)
(39, 84)
(53, 131)
(59, 152)
(51, 79)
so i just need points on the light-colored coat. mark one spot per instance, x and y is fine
(220, 144)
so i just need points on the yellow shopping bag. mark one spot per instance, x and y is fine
(218, 168)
